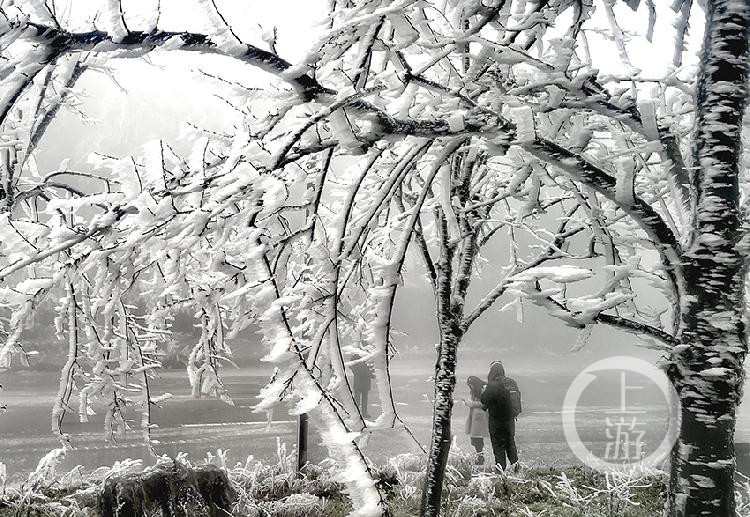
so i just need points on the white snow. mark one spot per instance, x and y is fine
(563, 274)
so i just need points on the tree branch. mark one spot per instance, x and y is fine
(60, 42)
(614, 321)
(580, 169)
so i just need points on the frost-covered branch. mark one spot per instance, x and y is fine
(592, 315)
(58, 42)
(584, 171)
(563, 234)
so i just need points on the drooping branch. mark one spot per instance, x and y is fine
(638, 328)
(592, 95)
(15, 84)
(100, 225)
(61, 41)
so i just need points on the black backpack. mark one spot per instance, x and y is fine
(514, 396)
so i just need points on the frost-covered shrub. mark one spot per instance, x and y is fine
(387, 479)
(412, 478)
(574, 492)
(272, 488)
(470, 505)
(297, 505)
(481, 486)
(407, 462)
(460, 467)
(324, 487)
(409, 468)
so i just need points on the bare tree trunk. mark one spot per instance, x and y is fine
(449, 318)
(708, 363)
(445, 382)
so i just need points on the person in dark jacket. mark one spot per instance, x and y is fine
(361, 384)
(496, 398)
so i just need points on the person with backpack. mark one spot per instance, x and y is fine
(476, 423)
(502, 399)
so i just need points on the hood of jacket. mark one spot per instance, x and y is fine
(497, 372)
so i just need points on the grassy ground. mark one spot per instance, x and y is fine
(274, 490)
(576, 491)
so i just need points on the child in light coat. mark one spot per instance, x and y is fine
(476, 423)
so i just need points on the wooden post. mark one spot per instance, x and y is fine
(301, 442)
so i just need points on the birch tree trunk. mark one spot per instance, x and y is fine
(708, 362)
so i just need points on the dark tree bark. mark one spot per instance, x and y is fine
(449, 318)
(445, 382)
(707, 364)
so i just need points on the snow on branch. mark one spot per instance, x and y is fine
(584, 311)
(583, 170)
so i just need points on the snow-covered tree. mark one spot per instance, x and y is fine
(700, 237)
(488, 116)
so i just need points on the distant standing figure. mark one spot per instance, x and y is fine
(502, 399)
(476, 423)
(361, 382)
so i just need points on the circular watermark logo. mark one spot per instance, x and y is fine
(622, 430)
